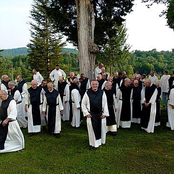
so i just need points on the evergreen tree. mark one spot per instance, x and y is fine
(45, 46)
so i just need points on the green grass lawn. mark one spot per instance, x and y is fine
(132, 151)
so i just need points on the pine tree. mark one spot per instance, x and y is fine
(45, 46)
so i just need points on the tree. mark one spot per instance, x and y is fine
(77, 19)
(45, 46)
(116, 51)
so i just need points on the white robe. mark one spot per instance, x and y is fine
(66, 96)
(97, 71)
(152, 101)
(164, 83)
(76, 98)
(153, 79)
(54, 76)
(38, 77)
(15, 139)
(20, 110)
(32, 128)
(86, 109)
(170, 111)
(59, 107)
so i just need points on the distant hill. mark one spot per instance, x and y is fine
(24, 51)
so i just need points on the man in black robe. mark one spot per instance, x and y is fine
(171, 80)
(110, 121)
(136, 102)
(94, 107)
(100, 81)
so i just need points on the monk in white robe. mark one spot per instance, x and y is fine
(63, 88)
(11, 137)
(14, 92)
(33, 108)
(52, 109)
(95, 108)
(76, 98)
(170, 109)
(37, 76)
(148, 101)
(22, 87)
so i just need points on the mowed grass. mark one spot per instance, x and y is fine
(132, 151)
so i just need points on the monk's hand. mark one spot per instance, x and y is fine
(89, 116)
(61, 112)
(43, 113)
(172, 106)
(26, 108)
(5, 122)
(103, 116)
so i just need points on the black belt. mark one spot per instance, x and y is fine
(18, 102)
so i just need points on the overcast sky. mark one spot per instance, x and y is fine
(146, 30)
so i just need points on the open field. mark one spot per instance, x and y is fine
(132, 151)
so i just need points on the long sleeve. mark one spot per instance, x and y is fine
(143, 96)
(17, 96)
(76, 97)
(88, 85)
(27, 98)
(52, 76)
(171, 98)
(105, 105)
(85, 105)
(64, 74)
(153, 98)
(24, 90)
(60, 102)
(12, 110)
(44, 106)
(67, 93)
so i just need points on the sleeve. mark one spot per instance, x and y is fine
(52, 76)
(60, 102)
(85, 102)
(24, 90)
(75, 94)
(105, 105)
(64, 74)
(171, 98)
(153, 98)
(3, 87)
(88, 85)
(143, 96)
(115, 102)
(41, 77)
(27, 98)
(44, 106)
(17, 96)
(67, 93)
(12, 110)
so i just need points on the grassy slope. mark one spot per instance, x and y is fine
(129, 152)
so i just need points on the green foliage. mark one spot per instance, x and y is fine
(116, 52)
(45, 46)
(107, 13)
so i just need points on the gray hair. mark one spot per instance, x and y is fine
(12, 83)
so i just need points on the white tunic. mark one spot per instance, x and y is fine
(15, 139)
(170, 111)
(54, 76)
(66, 97)
(20, 110)
(152, 101)
(153, 79)
(76, 98)
(164, 83)
(38, 77)
(32, 128)
(86, 109)
(59, 107)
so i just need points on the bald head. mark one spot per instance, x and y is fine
(127, 82)
(147, 82)
(108, 85)
(34, 84)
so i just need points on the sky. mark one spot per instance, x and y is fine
(145, 29)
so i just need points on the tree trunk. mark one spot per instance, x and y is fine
(86, 46)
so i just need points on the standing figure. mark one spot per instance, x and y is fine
(124, 105)
(153, 78)
(76, 98)
(55, 74)
(53, 107)
(95, 108)
(111, 120)
(65, 97)
(4, 82)
(98, 70)
(136, 102)
(33, 108)
(148, 101)
(14, 92)
(37, 76)
(11, 137)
